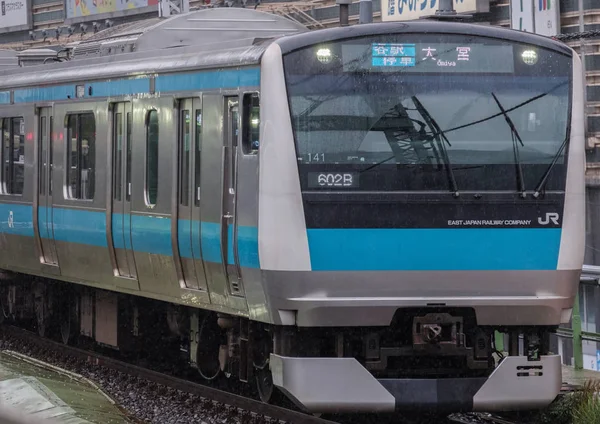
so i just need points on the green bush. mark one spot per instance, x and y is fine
(579, 407)
(587, 413)
(587, 404)
(558, 412)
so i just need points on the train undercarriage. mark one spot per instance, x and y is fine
(419, 361)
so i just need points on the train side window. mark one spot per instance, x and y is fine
(81, 155)
(251, 124)
(198, 154)
(117, 155)
(185, 142)
(43, 154)
(13, 155)
(128, 159)
(151, 157)
(50, 152)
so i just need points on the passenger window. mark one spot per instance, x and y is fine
(50, 147)
(43, 162)
(117, 155)
(186, 131)
(151, 157)
(198, 157)
(128, 164)
(81, 155)
(13, 155)
(251, 123)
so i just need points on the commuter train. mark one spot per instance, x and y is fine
(350, 216)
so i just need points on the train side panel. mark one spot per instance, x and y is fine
(87, 253)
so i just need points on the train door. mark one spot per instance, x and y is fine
(45, 212)
(229, 253)
(189, 220)
(121, 194)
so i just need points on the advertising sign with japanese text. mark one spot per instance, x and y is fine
(522, 15)
(14, 15)
(405, 10)
(106, 8)
(537, 16)
(547, 17)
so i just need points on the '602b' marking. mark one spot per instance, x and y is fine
(332, 179)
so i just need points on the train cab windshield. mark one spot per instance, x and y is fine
(429, 112)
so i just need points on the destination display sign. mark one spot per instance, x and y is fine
(428, 57)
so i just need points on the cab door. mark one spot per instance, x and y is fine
(229, 252)
(120, 218)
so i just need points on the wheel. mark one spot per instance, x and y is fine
(65, 329)
(66, 316)
(209, 343)
(40, 317)
(4, 311)
(264, 383)
(266, 390)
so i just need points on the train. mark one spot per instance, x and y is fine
(350, 217)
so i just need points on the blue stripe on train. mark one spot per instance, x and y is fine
(150, 234)
(330, 249)
(16, 219)
(434, 249)
(79, 226)
(233, 78)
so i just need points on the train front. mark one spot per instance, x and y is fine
(421, 188)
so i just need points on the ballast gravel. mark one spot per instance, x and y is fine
(143, 401)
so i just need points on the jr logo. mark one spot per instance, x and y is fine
(550, 217)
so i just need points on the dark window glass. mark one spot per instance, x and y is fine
(198, 157)
(397, 111)
(128, 165)
(81, 155)
(6, 156)
(43, 143)
(152, 158)
(184, 148)
(13, 155)
(50, 154)
(72, 157)
(251, 123)
(117, 155)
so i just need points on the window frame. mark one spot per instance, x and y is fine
(117, 162)
(50, 155)
(42, 155)
(147, 200)
(68, 195)
(185, 168)
(247, 149)
(6, 182)
(197, 156)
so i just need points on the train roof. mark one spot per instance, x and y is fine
(207, 39)
(210, 38)
(289, 44)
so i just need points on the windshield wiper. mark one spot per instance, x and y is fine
(435, 128)
(544, 179)
(515, 137)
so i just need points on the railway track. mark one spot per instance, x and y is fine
(246, 410)
(479, 418)
(220, 402)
